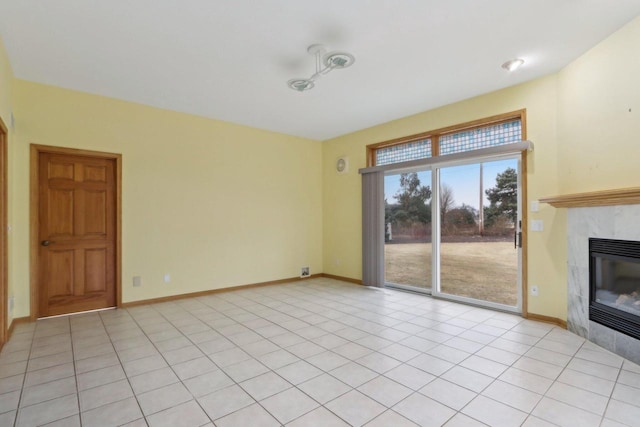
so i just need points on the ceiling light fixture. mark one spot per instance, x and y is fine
(325, 63)
(513, 65)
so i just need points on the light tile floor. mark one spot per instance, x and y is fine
(314, 353)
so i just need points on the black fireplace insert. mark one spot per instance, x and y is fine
(614, 284)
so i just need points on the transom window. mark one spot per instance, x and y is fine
(482, 137)
(489, 132)
(411, 150)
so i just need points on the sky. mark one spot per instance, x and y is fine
(464, 180)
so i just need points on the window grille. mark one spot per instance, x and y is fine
(412, 150)
(482, 137)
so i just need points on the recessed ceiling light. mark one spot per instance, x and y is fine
(513, 65)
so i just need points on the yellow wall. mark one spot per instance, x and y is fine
(6, 77)
(216, 204)
(342, 199)
(599, 115)
(212, 203)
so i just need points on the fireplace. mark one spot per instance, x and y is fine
(614, 284)
(618, 220)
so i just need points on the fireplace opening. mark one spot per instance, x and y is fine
(614, 275)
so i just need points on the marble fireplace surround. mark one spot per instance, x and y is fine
(613, 214)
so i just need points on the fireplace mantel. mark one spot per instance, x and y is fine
(623, 196)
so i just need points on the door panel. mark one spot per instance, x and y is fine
(61, 170)
(95, 270)
(95, 174)
(77, 229)
(60, 272)
(479, 213)
(94, 215)
(60, 215)
(407, 248)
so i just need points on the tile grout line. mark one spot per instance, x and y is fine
(24, 379)
(220, 368)
(382, 374)
(360, 316)
(484, 345)
(125, 374)
(274, 371)
(208, 358)
(33, 345)
(291, 331)
(238, 384)
(405, 362)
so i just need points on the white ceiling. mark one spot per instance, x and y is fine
(231, 59)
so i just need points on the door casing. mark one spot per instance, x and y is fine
(34, 217)
(4, 256)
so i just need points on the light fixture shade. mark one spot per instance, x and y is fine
(513, 65)
(338, 60)
(300, 84)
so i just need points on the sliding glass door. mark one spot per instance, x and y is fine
(479, 233)
(455, 230)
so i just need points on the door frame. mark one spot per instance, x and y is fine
(435, 167)
(4, 246)
(34, 204)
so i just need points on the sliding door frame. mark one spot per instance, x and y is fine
(486, 154)
(407, 286)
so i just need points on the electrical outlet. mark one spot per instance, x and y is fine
(137, 281)
(167, 278)
(11, 305)
(304, 272)
(534, 291)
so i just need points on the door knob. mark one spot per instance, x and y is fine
(45, 243)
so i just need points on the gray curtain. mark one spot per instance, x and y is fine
(373, 229)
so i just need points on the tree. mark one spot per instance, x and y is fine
(412, 200)
(503, 198)
(463, 215)
(446, 201)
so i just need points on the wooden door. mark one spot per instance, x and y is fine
(77, 233)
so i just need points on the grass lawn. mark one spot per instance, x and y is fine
(481, 270)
